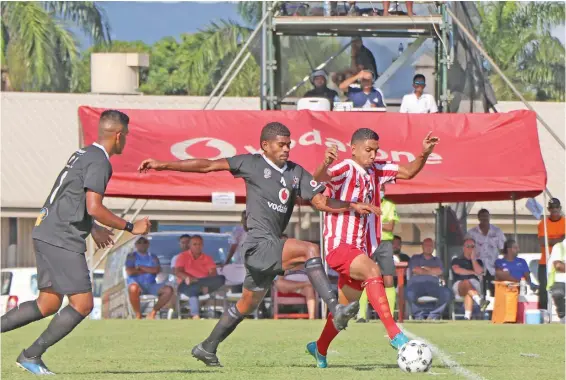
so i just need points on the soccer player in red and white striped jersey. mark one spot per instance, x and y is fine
(349, 236)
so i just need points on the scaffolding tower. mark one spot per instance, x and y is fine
(435, 26)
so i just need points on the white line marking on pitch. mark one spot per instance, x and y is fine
(445, 358)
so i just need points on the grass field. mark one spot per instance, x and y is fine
(267, 349)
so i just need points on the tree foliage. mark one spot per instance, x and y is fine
(518, 38)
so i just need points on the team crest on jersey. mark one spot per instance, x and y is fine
(42, 215)
(357, 183)
(284, 195)
(295, 182)
(266, 173)
(314, 184)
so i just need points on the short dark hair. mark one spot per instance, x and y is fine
(508, 244)
(272, 130)
(142, 240)
(115, 116)
(197, 237)
(397, 237)
(419, 76)
(483, 211)
(364, 134)
(185, 236)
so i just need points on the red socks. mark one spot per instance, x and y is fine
(328, 334)
(378, 299)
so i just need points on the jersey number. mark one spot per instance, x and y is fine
(69, 165)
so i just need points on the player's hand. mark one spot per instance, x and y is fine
(141, 227)
(429, 143)
(149, 164)
(101, 236)
(330, 155)
(366, 208)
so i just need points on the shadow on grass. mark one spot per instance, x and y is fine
(126, 372)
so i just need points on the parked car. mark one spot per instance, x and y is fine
(20, 285)
(165, 245)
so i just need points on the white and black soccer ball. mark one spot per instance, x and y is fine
(414, 356)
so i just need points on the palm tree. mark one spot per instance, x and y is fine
(517, 36)
(216, 46)
(38, 49)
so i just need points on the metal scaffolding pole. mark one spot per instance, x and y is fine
(319, 67)
(271, 62)
(263, 76)
(444, 57)
(503, 76)
(119, 235)
(238, 69)
(237, 58)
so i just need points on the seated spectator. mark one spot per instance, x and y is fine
(425, 274)
(466, 270)
(197, 274)
(142, 267)
(513, 268)
(557, 278)
(296, 281)
(319, 80)
(184, 243)
(399, 256)
(418, 102)
(362, 57)
(363, 94)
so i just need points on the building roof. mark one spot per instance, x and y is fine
(40, 131)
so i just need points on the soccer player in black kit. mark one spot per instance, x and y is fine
(272, 185)
(59, 237)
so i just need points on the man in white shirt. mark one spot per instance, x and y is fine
(557, 277)
(418, 102)
(489, 243)
(239, 234)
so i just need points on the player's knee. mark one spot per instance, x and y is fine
(312, 251)
(373, 271)
(84, 306)
(48, 307)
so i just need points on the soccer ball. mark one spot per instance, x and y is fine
(414, 356)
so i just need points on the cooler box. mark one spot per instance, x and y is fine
(528, 302)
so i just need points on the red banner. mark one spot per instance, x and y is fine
(480, 156)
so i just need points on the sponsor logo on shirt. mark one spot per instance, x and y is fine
(266, 173)
(284, 195)
(279, 208)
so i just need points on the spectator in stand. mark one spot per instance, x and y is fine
(239, 234)
(425, 275)
(196, 273)
(297, 281)
(399, 256)
(142, 268)
(466, 270)
(489, 243)
(362, 57)
(555, 228)
(557, 277)
(319, 80)
(418, 102)
(363, 94)
(184, 244)
(510, 267)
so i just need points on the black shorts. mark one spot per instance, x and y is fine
(383, 256)
(263, 260)
(66, 272)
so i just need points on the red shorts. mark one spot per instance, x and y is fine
(340, 259)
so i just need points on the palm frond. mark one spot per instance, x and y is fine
(87, 15)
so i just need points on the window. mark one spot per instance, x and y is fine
(6, 283)
(97, 280)
(33, 285)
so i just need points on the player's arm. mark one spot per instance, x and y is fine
(96, 209)
(180, 273)
(131, 269)
(410, 170)
(191, 166)
(323, 172)
(326, 204)
(231, 253)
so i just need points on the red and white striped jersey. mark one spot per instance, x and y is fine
(383, 172)
(352, 183)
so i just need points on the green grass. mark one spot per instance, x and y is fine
(267, 349)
